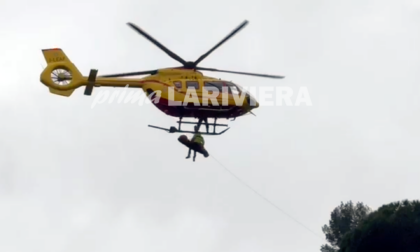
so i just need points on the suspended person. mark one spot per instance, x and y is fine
(196, 144)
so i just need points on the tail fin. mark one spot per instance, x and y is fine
(61, 75)
(55, 55)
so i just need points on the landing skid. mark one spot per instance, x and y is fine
(178, 130)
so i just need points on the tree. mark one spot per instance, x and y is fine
(344, 219)
(393, 227)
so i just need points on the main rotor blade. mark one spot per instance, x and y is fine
(156, 43)
(128, 74)
(221, 42)
(244, 73)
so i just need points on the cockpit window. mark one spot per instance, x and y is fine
(233, 89)
(213, 86)
(192, 84)
(221, 86)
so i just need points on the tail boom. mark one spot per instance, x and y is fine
(62, 77)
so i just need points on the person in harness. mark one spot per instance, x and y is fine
(196, 143)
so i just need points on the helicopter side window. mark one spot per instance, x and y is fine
(192, 84)
(178, 84)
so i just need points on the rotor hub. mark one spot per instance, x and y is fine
(190, 65)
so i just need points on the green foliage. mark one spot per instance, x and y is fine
(344, 219)
(328, 248)
(393, 227)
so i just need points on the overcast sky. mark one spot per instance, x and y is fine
(74, 178)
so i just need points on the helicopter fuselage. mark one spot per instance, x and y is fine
(187, 93)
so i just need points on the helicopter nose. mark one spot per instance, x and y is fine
(252, 103)
(257, 104)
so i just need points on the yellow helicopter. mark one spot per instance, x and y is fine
(182, 92)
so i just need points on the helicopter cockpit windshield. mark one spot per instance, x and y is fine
(222, 86)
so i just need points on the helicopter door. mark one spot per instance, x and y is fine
(193, 85)
(193, 88)
(212, 87)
